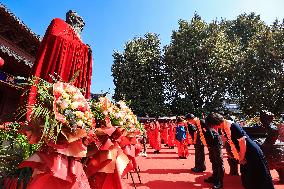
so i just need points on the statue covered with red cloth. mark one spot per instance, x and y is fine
(63, 55)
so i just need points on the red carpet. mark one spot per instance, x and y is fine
(166, 171)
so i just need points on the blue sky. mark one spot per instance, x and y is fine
(111, 23)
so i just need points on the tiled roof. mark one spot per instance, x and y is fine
(19, 21)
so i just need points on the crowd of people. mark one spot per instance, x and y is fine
(213, 132)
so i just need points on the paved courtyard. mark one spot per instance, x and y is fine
(166, 171)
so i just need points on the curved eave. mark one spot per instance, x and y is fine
(10, 53)
(14, 30)
(20, 23)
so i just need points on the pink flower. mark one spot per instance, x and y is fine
(83, 107)
(108, 122)
(64, 105)
(60, 117)
(58, 89)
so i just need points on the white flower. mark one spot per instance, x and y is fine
(75, 105)
(79, 114)
(105, 112)
(68, 101)
(76, 97)
(122, 105)
(88, 115)
(71, 89)
(65, 95)
(80, 123)
(58, 88)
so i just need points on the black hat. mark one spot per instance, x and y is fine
(189, 116)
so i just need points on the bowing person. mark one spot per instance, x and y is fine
(254, 170)
(195, 128)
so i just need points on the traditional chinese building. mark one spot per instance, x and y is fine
(18, 48)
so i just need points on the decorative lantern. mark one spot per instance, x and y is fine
(1, 62)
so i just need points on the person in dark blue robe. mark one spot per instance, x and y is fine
(254, 169)
(214, 145)
(255, 173)
(199, 147)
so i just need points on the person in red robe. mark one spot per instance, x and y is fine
(166, 134)
(157, 137)
(181, 138)
(163, 132)
(172, 131)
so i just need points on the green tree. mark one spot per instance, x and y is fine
(138, 75)
(197, 63)
(204, 64)
(277, 68)
(257, 73)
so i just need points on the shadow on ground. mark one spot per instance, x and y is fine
(163, 184)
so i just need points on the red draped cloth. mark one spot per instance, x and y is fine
(62, 53)
(172, 132)
(52, 169)
(55, 170)
(106, 168)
